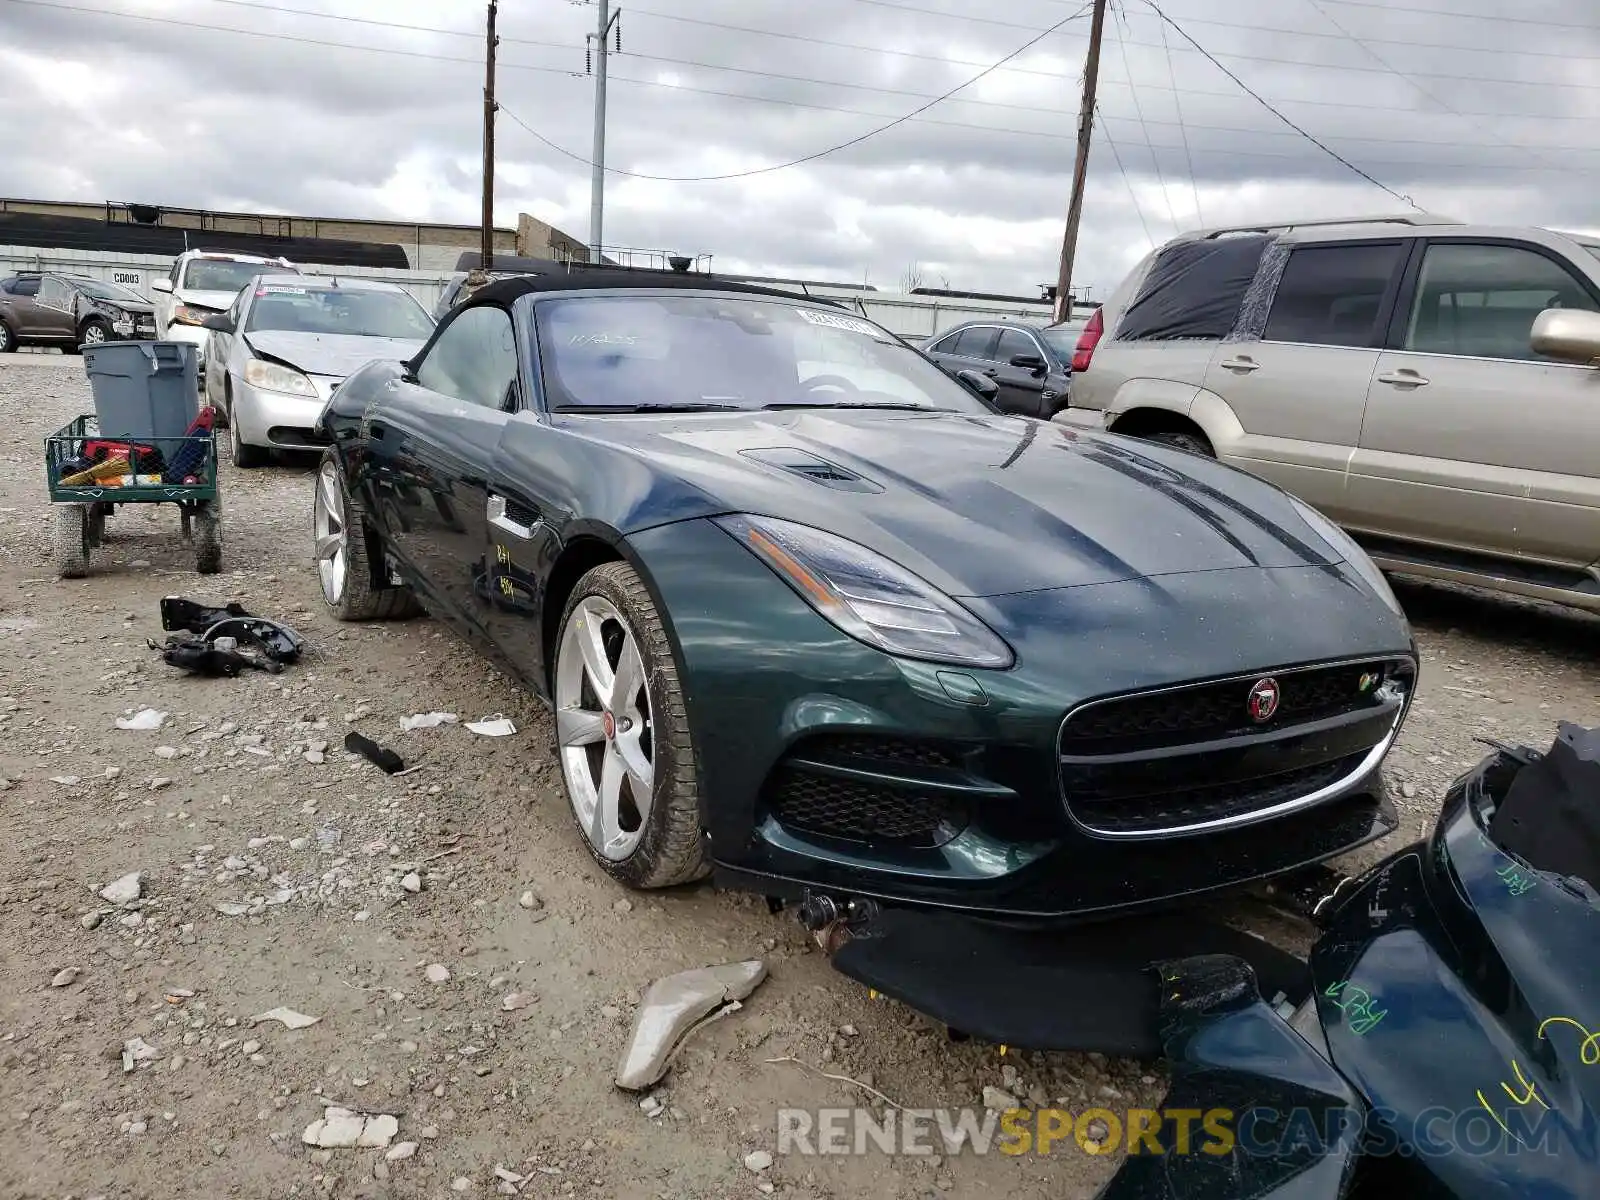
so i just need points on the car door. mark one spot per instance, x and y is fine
(970, 349)
(219, 347)
(1472, 439)
(54, 310)
(1299, 391)
(431, 446)
(1021, 387)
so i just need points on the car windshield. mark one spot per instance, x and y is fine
(1063, 339)
(102, 290)
(357, 311)
(221, 274)
(694, 351)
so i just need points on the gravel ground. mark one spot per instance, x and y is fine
(245, 799)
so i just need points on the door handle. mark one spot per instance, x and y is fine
(499, 520)
(1404, 377)
(1242, 363)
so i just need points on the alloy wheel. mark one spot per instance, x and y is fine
(329, 528)
(604, 728)
(93, 334)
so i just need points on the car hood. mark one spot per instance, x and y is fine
(333, 354)
(219, 301)
(132, 307)
(980, 505)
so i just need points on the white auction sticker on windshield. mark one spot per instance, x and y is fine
(282, 289)
(832, 321)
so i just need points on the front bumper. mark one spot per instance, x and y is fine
(827, 765)
(277, 419)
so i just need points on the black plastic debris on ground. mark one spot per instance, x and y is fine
(381, 757)
(225, 640)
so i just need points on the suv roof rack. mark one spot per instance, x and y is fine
(1382, 219)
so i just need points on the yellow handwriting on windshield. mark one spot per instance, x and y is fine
(1588, 1048)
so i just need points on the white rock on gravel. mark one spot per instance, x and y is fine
(412, 882)
(998, 1100)
(758, 1161)
(341, 1129)
(65, 978)
(144, 720)
(90, 920)
(125, 890)
(401, 1152)
(517, 1000)
(287, 1017)
(437, 973)
(529, 900)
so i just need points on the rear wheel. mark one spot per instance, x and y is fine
(343, 551)
(8, 340)
(627, 757)
(1192, 442)
(70, 540)
(207, 523)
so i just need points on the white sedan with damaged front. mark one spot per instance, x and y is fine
(276, 355)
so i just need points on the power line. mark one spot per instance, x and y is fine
(1177, 104)
(1123, 171)
(1138, 111)
(1498, 19)
(855, 141)
(567, 73)
(1329, 151)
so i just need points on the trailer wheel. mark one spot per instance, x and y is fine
(208, 537)
(71, 540)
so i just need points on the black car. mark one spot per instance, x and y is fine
(814, 617)
(1030, 363)
(52, 309)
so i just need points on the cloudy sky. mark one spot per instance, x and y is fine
(1489, 118)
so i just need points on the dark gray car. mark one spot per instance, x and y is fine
(69, 311)
(1024, 360)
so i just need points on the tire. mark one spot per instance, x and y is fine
(8, 340)
(245, 456)
(207, 522)
(1192, 442)
(354, 598)
(70, 541)
(664, 846)
(95, 330)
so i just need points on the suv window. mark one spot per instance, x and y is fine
(974, 342)
(19, 285)
(1194, 289)
(1331, 295)
(1012, 343)
(1481, 300)
(474, 359)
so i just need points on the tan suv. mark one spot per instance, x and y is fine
(1432, 386)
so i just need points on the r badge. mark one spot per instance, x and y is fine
(1263, 701)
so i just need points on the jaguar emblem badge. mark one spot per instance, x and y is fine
(1263, 700)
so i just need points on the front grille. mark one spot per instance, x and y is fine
(858, 811)
(1204, 803)
(896, 750)
(1156, 763)
(1217, 710)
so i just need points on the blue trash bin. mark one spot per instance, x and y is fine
(143, 389)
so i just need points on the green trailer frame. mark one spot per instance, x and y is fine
(80, 510)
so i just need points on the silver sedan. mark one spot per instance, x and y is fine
(287, 341)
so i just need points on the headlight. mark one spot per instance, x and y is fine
(1346, 548)
(185, 315)
(869, 597)
(277, 378)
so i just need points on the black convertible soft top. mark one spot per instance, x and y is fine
(503, 292)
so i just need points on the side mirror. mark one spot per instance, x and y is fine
(986, 388)
(219, 323)
(162, 284)
(1029, 362)
(1570, 334)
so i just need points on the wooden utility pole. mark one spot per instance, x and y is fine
(489, 110)
(1080, 171)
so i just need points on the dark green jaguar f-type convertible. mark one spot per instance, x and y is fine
(813, 616)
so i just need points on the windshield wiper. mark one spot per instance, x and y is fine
(897, 407)
(695, 406)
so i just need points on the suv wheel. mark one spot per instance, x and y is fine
(1192, 442)
(8, 340)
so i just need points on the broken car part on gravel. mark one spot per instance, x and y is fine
(227, 640)
(673, 1008)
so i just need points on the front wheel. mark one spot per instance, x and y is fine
(95, 331)
(8, 340)
(343, 553)
(244, 455)
(627, 757)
